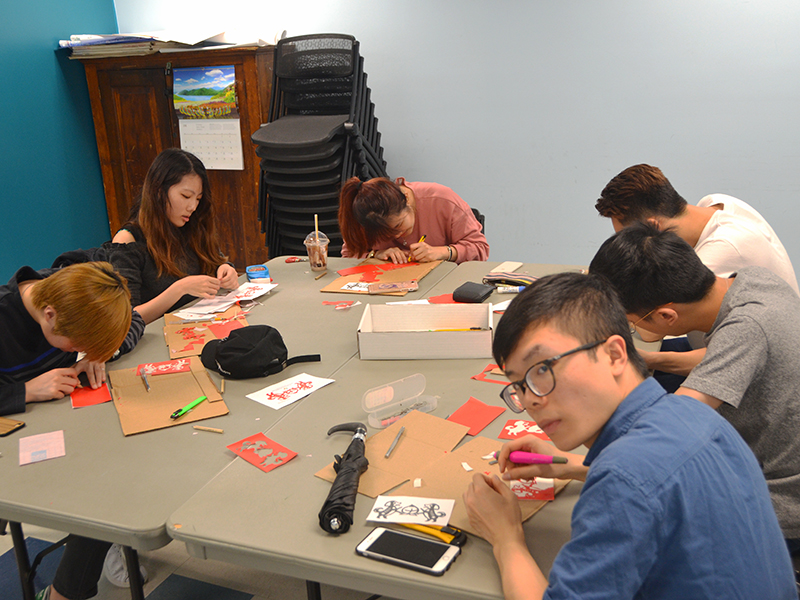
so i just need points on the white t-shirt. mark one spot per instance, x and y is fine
(737, 236)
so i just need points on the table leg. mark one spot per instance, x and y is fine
(134, 574)
(23, 562)
(313, 590)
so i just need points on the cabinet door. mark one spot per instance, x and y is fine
(137, 127)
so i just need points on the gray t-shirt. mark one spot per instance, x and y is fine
(753, 366)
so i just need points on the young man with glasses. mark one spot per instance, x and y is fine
(726, 233)
(674, 504)
(751, 370)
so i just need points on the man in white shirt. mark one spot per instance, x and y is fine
(726, 233)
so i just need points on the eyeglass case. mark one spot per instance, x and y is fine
(472, 292)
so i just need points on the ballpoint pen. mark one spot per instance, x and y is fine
(182, 411)
(394, 443)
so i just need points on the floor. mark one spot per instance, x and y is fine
(173, 560)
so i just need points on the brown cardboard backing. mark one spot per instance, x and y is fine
(140, 410)
(180, 347)
(424, 451)
(414, 271)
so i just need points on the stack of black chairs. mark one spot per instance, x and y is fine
(321, 131)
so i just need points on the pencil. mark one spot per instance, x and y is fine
(394, 443)
(320, 276)
(211, 429)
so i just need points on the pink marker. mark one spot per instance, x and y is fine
(529, 458)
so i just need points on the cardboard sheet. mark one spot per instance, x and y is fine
(361, 276)
(426, 437)
(424, 452)
(446, 478)
(140, 410)
(187, 339)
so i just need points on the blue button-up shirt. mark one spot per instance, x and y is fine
(674, 506)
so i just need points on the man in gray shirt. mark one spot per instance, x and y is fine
(751, 370)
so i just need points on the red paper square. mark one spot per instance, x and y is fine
(262, 452)
(476, 415)
(516, 428)
(442, 299)
(86, 396)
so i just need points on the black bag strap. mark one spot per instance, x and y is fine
(290, 361)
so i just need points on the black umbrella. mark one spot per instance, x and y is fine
(336, 514)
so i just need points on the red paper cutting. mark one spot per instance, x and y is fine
(476, 415)
(223, 329)
(484, 376)
(443, 299)
(179, 365)
(86, 396)
(516, 428)
(358, 269)
(262, 452)
(534, 489)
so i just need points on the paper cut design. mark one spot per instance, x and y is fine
(515, 428)
(86, 396)
(187, 339)
(476, 415)
(288, 391)
(358, 270)
(539, 488)
(246, 291)
(371, 271)
(262, 452)
(36, 448)
(161, 368)
(409, 509)
(490, 370)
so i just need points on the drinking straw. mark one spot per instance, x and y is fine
(316, 227)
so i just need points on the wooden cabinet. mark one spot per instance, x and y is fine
(134, 120)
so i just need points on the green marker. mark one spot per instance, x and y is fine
(182, 411)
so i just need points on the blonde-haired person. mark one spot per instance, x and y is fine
(47, 317)
(169, 251)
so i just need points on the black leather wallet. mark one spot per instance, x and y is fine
(472, 292)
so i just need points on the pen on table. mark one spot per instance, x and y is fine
(144, 380)
(394, 443)
(509, 289)
(529, 458)
(222, 386)
(182, 411)
(321, 275)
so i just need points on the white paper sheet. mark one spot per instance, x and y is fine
(409, 509)
(289, 390)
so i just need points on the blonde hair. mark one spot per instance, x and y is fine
(92, 304)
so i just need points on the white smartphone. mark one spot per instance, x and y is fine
(407, 550)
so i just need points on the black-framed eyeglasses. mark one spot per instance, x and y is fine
(539, 379)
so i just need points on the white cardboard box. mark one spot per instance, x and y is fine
(414, 331)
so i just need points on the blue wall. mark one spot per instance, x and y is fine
(52, 191)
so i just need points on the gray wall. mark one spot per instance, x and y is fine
(528, 108)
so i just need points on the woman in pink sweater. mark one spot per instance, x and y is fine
(388, 220)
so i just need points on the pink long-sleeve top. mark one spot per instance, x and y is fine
(444, 219)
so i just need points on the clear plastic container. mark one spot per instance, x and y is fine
(388, 403)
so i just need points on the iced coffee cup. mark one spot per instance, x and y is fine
(317, 246)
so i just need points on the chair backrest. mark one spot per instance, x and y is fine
(315, 75)
(481, 219)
